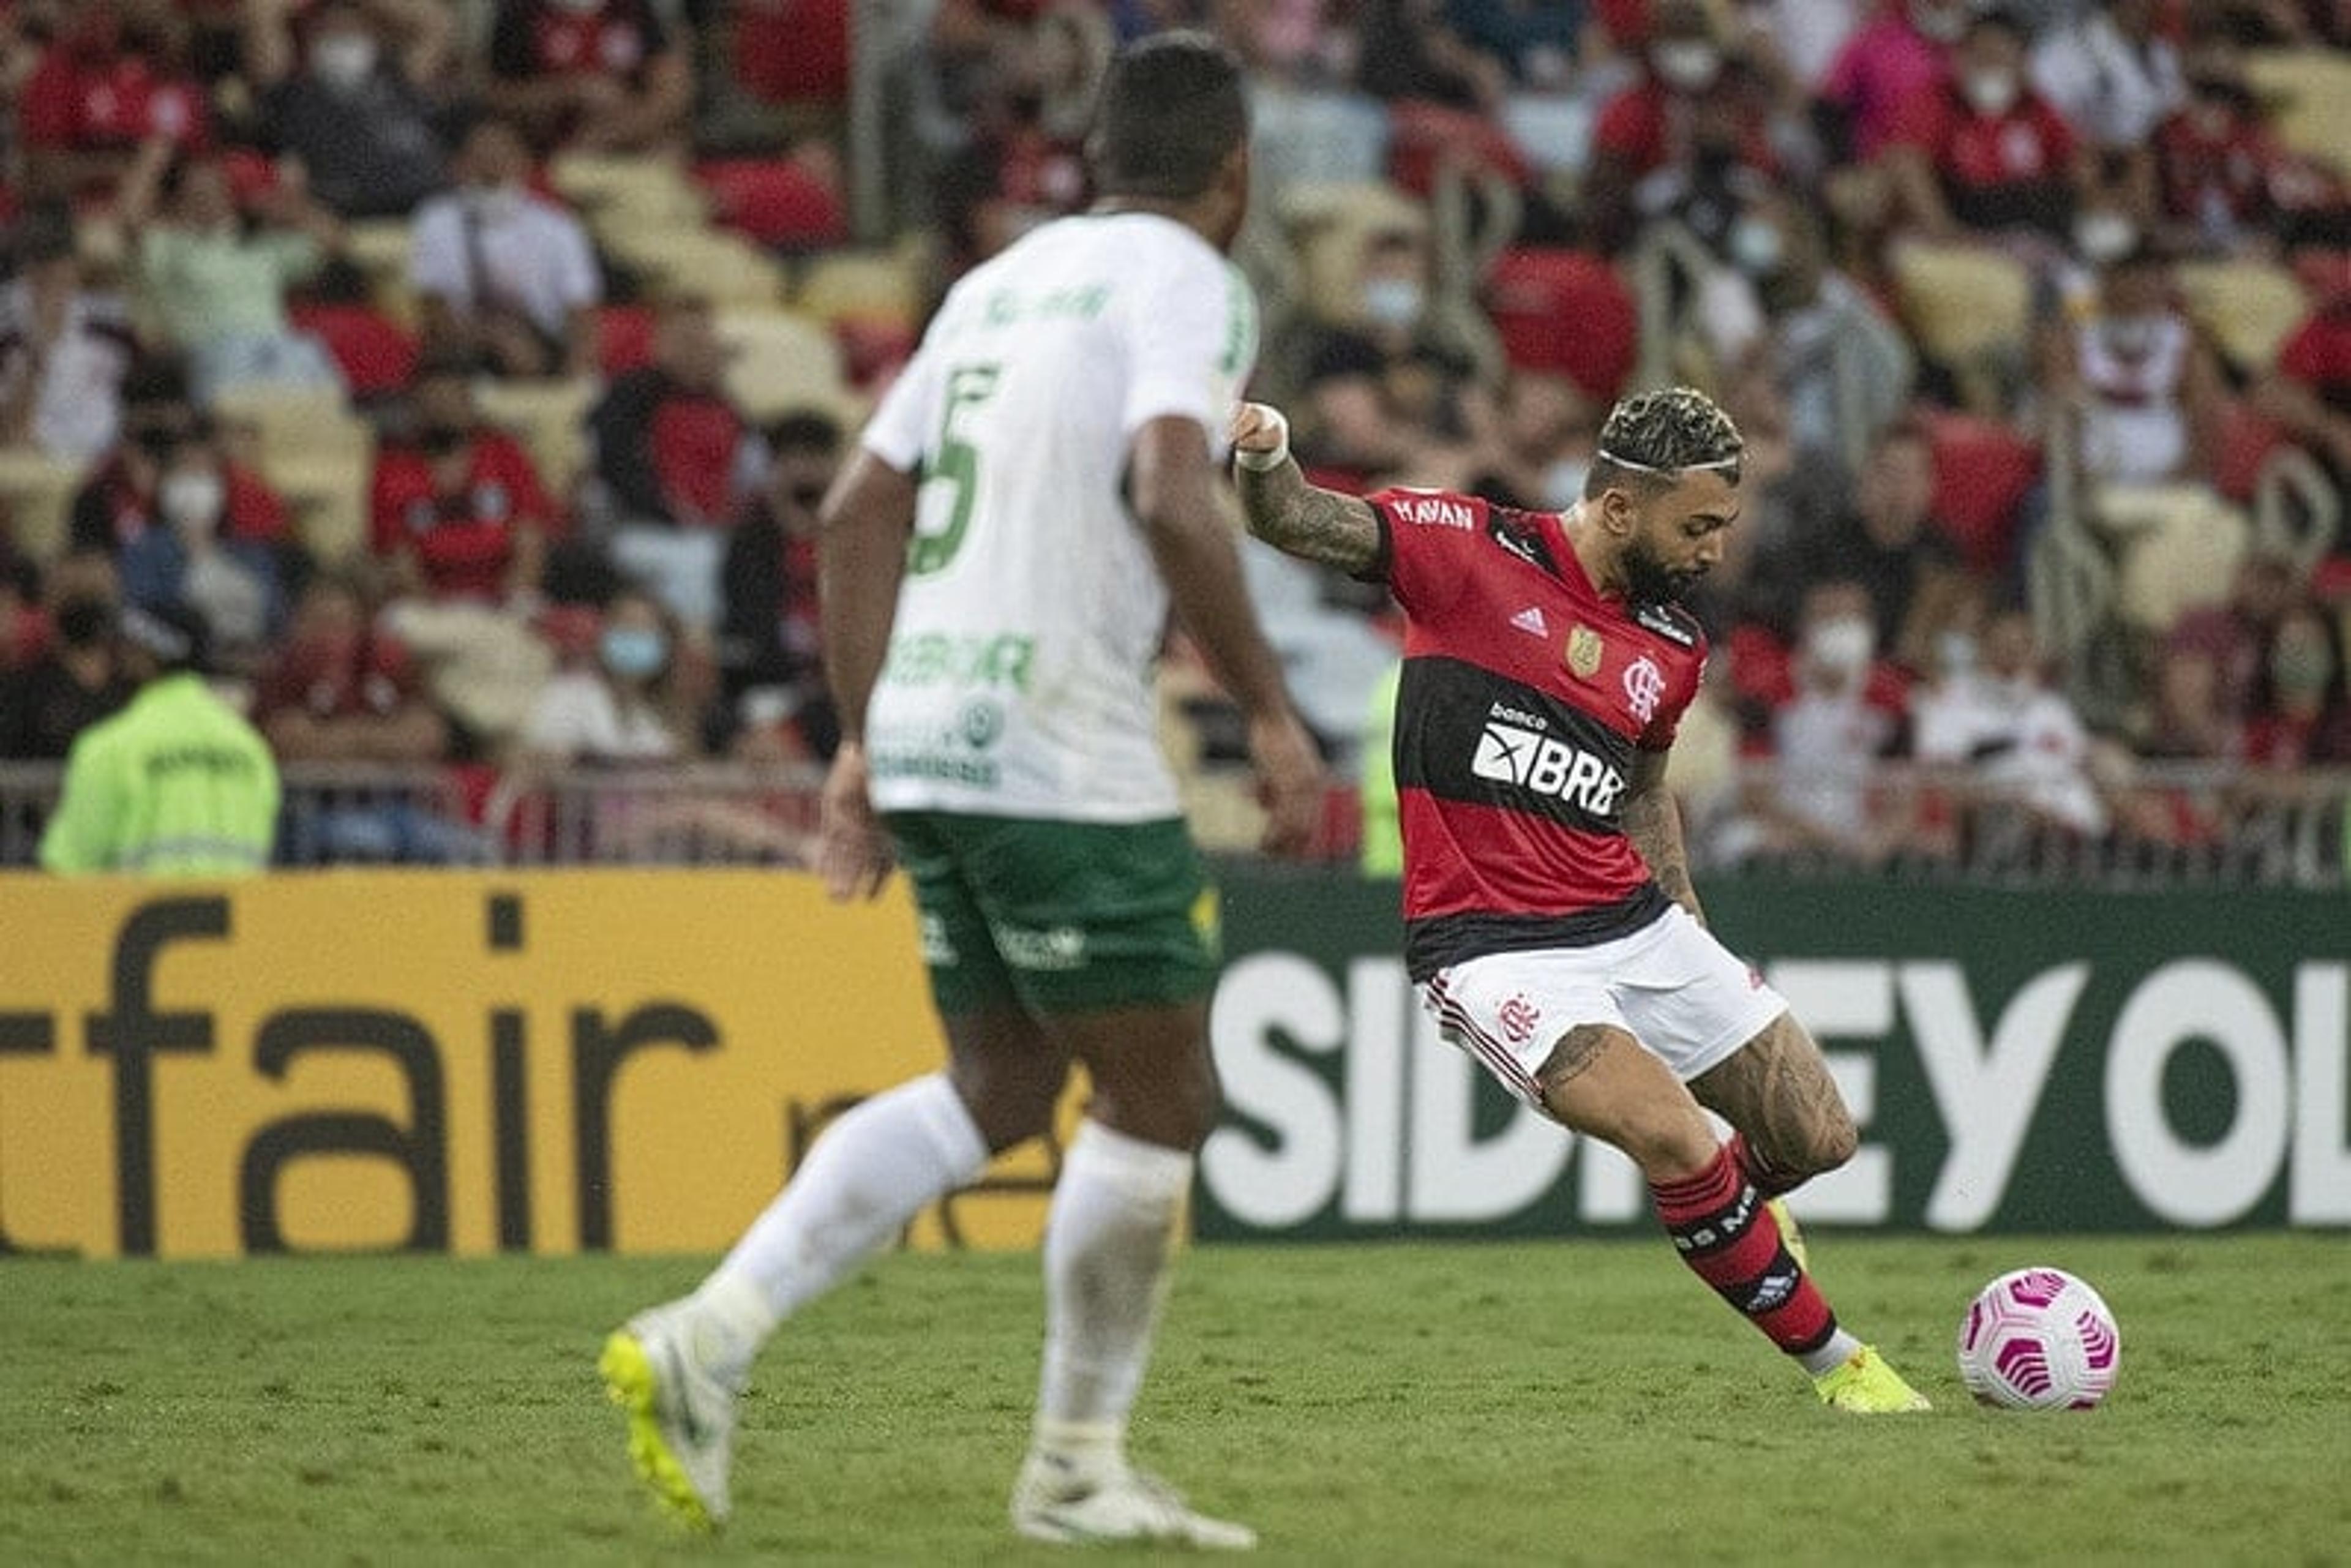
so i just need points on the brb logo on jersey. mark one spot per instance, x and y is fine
(1644, 688)
(1513, 749)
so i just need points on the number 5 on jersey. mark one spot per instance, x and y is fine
(956, 466)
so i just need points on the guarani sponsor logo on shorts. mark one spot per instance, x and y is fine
(1055, 948)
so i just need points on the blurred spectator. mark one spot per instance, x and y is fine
(2114, 76)
(2019, 741)
(1690, 140)
(2308, 389)
(1899, 55)
(121, 499)
(176, 784)
(364, 121)
(1983, 153)
(25, 625)
(232, 583)
(116, 76)
(1024, 161)
(217, 289)
(2143, 387)
(2301, 712)
(770, 650)
(1843, 364)
(2235, 634)
(601, 76)
(1828, 737)
(668, 438)
(1409, 50)
(341, 690)
(76, 681)
(1788, 493)
(1540, 448)
(617, 704)
(1890, 543)
(1805, 37)
(458, 511)
(63, 349)
(2187, 719)
(508, 278)
(2223, 178)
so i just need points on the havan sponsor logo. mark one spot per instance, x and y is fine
(1435, 511)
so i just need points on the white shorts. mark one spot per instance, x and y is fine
(1689, 1000)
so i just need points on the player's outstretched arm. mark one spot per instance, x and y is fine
(1287, 512)
(1652, 821)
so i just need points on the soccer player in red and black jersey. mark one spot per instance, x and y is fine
(1550, 921)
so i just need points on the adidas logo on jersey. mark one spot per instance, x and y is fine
(1546, 765)
(1531, 619)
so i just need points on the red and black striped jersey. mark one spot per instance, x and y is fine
(1525, 694)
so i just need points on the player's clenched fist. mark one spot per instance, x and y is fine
(1261, 437)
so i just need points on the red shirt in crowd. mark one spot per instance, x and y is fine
(1983, 159)
(373, 678)
(541, 38)
(2318, 355)
(82, 100)
(463, 541)
(111, 511)
(1635, 128)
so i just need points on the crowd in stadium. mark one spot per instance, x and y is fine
(474, 368)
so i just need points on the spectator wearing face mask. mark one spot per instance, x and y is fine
(121, 499)
(365, 121)
(75, 682)
(232, 584)
(1888, 541)
(508, 280)
(604, 76)
(458, 510)
(1690, 140)
(2145, 391)
(1823, 794)
(618, 704)
(1985, 154)
(2016, 740)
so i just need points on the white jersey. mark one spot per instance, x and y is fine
(1018, 681)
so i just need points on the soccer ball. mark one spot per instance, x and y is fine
(2039, 1338)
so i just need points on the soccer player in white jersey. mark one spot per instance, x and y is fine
(1036, 494)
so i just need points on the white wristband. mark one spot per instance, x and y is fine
(1263, 462)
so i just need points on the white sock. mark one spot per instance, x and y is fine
(1107, 1242)
(867, 1174)
(1830, 1357)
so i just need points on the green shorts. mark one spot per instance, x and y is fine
(1058, 917)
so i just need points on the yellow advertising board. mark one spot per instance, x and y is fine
(464, 1062)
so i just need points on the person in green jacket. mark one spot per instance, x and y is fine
(177, 784)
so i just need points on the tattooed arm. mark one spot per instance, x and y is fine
(1290, 514)
(1654, 822)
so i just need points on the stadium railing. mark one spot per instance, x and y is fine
(2170, 825)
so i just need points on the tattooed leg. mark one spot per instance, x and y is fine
(1777, 1091)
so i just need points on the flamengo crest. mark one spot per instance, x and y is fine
(1644, 685)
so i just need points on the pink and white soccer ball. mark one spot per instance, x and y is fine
(2039, 1338)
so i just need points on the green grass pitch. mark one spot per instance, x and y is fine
(1476, 1404)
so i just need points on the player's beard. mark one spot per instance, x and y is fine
(1649, 580)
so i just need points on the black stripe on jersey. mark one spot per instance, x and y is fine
(1441, 941)
(1464, 733)
(1518, 533)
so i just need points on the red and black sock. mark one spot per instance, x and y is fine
(1718, 1225)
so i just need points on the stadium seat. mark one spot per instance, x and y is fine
(725, 269)
(1983, 470)
(2248, 308)
(315, 453)
(1565, 311)
(376, 354)
(38, 492)
(879, 285)
(780, 361)
(2308, 95)
(1970, 309)
(379, 248)
(601, 183)
(547, 418)
(778, 202)
(2177, 548)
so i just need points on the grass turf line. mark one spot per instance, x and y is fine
(1567, 1402)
